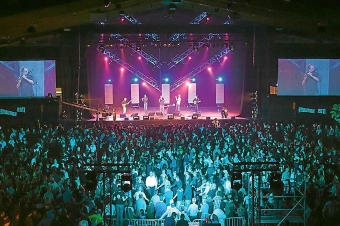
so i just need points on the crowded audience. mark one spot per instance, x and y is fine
(179, 172)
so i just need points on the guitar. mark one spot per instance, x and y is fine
(197, 102)
(125, 104)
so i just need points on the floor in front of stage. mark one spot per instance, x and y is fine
(207, 114)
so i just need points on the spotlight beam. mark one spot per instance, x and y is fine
(152, 82)
(198, 69)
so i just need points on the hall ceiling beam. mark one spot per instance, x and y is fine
(159, 28)
(65, 16)
(79, 13)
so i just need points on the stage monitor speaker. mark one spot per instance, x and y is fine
(151, 113)
(135, 117)
(152, 117)
(146, 117)
(158, 113)
(126, 119)
(177, 114)
(134, 114)
(122, 116)
(207, 118)
(195, 116)
(170, 116)
(182, 118)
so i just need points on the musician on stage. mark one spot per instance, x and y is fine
(114, 115)
(224, 112)
(178, 103)
(145, 103)
(124, 104)
(196, 101)
(161, 104)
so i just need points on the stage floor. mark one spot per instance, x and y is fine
(207, 116)
(185, 114)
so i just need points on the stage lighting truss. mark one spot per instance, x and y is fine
(133, 20)
(152, 82)
(255, 108)
(196, 20)
(254, 170)
(198, 69)
(179, 58)
(146, 56)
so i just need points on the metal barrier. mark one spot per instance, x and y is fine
(231, 221)
(146, 222)
(235, 221)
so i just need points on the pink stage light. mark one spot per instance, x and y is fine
(209, 68)
(189, 57)
(121, 69)
(139, 58)
(188, 83)
(106, 58)
(225, 58)
(143, 83)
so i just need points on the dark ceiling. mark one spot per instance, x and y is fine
(312, 20)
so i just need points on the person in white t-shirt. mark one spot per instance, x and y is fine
(151, 183)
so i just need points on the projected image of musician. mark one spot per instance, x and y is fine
(196, 101)
(25, 83)
(310, 80)
(125, 103)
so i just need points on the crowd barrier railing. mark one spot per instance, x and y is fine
(232, 221)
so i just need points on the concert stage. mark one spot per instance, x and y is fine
(207, 115)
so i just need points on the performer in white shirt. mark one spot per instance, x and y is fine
(151, 183)
(161, 104)
(178, 103)
(145, 103)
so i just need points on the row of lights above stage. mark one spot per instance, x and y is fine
(195, 45)
(167, 80)
(189, 58)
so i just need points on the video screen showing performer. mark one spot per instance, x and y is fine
(27, 78)
(308, 77)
